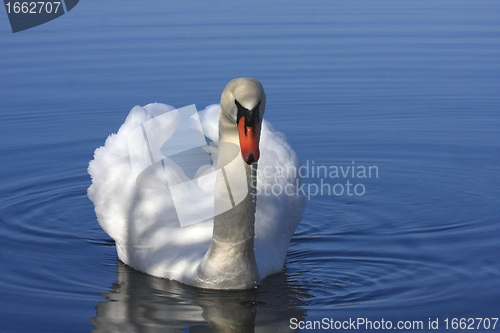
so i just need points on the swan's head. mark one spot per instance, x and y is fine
(243, 102)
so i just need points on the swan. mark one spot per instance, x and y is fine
(257, 200)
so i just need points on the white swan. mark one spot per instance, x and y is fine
(241, 245)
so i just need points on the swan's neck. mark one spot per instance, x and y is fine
(230, 261)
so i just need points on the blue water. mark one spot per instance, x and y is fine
(411, 89)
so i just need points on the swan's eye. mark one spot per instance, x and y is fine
(249, 115)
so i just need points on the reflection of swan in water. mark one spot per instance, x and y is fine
(139, 302)
(220, 253)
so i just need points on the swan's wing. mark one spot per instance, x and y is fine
(142, 221)
(280, 202)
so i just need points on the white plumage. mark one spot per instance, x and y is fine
(144, 223)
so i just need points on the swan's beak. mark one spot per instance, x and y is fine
(248, 128)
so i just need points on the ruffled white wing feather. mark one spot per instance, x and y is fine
(143, 221)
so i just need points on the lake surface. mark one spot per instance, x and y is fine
(410, 89)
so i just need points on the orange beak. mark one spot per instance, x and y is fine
(249, 140)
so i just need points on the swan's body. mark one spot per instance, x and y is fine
(241, 245)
